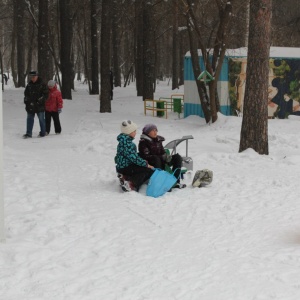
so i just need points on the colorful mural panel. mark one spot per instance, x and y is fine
(284, 86)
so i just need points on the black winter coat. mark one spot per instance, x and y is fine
(36, 93)
(149, 147)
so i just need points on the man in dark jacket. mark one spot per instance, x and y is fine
(36, 93)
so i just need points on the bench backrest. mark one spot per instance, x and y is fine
(172, 149)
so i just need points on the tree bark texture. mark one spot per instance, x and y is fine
(139, 71)
(225, 11)
(197, 71)
(116, 43)
(175, 50)
(14, 72)
(20, 8)
(254, 131)
(105, 102)
(32, 29)
(148, 52)
(66, 34)
(45, 63)
(84, 40)
(94, 49)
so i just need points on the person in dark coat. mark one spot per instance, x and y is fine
(5, 78)
(152, 150)
(36, 93)
(133, 170)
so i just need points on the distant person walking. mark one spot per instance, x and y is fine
(4, 76)
(53, 107)
(36, 93)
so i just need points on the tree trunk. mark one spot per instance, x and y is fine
(44, 55)
(225, 13)
(105, 102)
(116, 43)
(213, 65)
(129, 53)
(32, 29)
(13, 49)
(181, 61)
(148, 52)
(254, 132)
(196, 69)
(94, 49)
(84, 43)
(66, 34)
(139, 67)
(20, 8)
(175, 49)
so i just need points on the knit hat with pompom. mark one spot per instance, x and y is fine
(128, 127)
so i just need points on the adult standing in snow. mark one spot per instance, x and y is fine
(133, 170)
(4, 76)
(152, 150)
(53, 107)
(36, 93)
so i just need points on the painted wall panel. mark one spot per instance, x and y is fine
(284, 83)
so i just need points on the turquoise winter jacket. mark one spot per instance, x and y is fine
(127, 153)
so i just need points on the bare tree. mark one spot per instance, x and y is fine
(148, 51)
(66, 35)
(19, 7)
(197, 71)
(213, 60)
(45, 64)
(175, 53)
(84, 43)
(105, 104)
(254, 132)
(139, 46)
(94, 48)
(142, 40)
(116, 42)
(13, 45)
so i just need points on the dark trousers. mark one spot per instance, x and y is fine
(157, 162)
(176, 163)
(136, 174)
(55, 116)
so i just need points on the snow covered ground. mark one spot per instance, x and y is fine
(71, 233)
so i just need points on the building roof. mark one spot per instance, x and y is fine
(275, 52)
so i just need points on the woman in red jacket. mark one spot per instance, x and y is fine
(53, 107)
